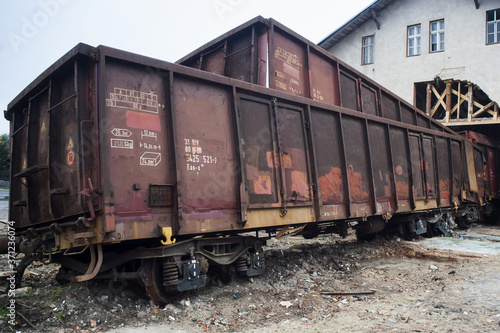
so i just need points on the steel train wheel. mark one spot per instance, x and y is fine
(463, 223)
(406, 231)
(161, 271)
(432, 230)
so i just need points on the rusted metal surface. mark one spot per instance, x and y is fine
(207, 182)
(261, 155)
(135, 148)
(200, 153)
(295, 65)
(110, 148)
(288, 70)
(52, 155)
(490, 157)
(324, 79)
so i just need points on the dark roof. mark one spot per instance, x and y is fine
(368, 13)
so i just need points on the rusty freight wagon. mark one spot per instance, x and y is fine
(267, 53)
(491, 172)
(128, 167)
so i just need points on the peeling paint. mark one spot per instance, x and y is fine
(331, 186)
(356, 186)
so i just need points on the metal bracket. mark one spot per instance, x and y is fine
(167, 233)
(93, 266)
(86, 192)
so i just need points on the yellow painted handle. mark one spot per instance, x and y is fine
(167, 233)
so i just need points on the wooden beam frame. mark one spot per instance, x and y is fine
(476, 112)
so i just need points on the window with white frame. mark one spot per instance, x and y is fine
(367, 52)
(414, 39)
(437, 36)
(493, 26)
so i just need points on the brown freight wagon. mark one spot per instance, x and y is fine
(267, 53)
(491, 171)
(129, 167)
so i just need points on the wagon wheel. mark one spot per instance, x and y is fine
(406, 231)
(432, 230)
(160, 272)
(463, 223)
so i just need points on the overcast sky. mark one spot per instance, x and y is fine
(35, 33)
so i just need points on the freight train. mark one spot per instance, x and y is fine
(128, 167)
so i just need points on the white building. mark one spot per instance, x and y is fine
(443, 56)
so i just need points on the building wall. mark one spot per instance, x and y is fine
(466, 55)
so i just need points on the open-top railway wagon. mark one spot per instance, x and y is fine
(127, 167)
(490, 148)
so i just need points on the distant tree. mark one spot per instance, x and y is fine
(4, 152)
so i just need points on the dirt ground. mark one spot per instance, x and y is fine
(327, 284)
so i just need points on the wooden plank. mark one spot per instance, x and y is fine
(429, 99)
(439, 102)
(483, 109)
(470, 100)
(465, 122)
(448, 100)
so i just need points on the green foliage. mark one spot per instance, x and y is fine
(61, 315)
(4, 152)
(3, 312)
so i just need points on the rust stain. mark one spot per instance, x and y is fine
(387, 191)
(331, 186)
(402, 189)
(287, 161)
(271, 159)
(300, 184)
(263, 184)
(252, 172)
(444, 188)
(358, 193)
(387, 188)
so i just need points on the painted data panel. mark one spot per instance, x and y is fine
(293, 154)
(444, 171)
(329, 156)
(357, 159)
(324, 80)
(207, 160)
(458, 165)
(258, 146)
(290, 65)
(369, 99)
(400, 150)
(136, 139)
(380, 152)
(416, 166)
(348, 91)
(429, 167)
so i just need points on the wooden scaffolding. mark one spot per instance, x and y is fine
(454, 104)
